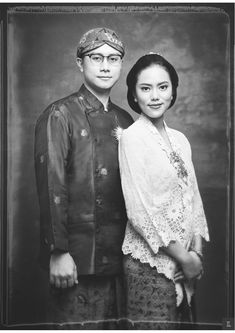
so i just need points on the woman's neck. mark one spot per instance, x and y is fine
(160, 126)
(158, 123)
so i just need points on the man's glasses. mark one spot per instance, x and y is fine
(97, 59)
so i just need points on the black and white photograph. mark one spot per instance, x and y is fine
(117, 166)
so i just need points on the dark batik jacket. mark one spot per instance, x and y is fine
(82, 210)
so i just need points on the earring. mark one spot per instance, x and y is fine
(135, 100)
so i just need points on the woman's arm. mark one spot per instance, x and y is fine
(189, 261)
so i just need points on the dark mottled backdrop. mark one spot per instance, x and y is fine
(42, 68)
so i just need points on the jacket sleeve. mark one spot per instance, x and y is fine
(52, 146)
(146, 195)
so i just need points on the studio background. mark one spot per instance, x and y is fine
(42, 68)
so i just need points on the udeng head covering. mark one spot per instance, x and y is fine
(97, 37)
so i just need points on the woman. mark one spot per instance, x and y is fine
(163, 240)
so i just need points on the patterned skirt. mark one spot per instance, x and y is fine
(96, 303)
(151, 297)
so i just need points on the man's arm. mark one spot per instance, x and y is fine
(52, 144)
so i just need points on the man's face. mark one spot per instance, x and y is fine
(100, 74)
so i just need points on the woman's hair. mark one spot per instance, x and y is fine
(143, 63)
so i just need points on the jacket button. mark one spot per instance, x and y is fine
(104, 172)
(56, 199)
(41, 158)
(84, 132)
(104, 260)
(98, 201)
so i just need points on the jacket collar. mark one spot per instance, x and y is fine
(92, 103)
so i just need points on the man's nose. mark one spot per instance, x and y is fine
(105, 65)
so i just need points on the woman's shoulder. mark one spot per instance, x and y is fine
(133, 129)
(179, 135)
(132, 134)
(181, 139)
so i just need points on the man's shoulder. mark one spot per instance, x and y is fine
(61, 106)
(123, 113)
(64, 101)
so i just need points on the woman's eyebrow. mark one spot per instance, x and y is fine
(150, 84)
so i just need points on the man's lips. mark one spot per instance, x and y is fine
(105, 77)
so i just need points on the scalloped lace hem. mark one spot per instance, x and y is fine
(162, 270)
(203, 233)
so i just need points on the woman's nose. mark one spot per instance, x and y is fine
(154, 95)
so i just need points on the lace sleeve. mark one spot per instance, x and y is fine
(147, 195)
(199, 218)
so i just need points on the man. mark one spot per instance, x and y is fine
(82, 210)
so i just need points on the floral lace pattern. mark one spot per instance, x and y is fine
(162, 199)
(178, 163)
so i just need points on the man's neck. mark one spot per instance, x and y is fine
(102, 96)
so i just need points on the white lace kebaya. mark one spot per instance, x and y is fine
(161, 194)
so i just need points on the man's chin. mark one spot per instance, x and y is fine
(104, 86)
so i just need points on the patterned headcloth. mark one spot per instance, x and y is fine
(97, 37)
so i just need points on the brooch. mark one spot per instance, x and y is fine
(179, 165)
(117, 133)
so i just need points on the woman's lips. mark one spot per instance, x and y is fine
(155, 106)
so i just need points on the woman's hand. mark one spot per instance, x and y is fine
(189, 262)
(192, 266)
(179, 276)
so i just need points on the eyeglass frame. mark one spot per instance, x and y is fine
(103, 57)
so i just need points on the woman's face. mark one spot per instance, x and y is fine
(154, 91)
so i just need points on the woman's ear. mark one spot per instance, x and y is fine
(134, 96)
(79, 64)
